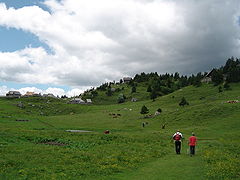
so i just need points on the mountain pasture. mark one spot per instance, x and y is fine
(34, 143)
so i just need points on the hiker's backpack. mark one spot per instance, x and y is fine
(177, 137)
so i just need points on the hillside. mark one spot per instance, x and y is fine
(152, 85)
(39, 146)
(103, 99)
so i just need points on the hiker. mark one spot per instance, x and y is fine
(177, 137)
(192, 143)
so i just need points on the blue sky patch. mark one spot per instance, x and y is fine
(21, 3)
(39, 86)
(13, 39)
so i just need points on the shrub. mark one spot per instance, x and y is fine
(220, 89)
(183, 102)
(226, 86)
(134, 89)
(121, 98)
(144, 110)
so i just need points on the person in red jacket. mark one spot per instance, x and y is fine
(192, 143)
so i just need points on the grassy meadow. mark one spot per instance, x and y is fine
(34, 143)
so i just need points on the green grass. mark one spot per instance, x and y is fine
(129, 151)
(169, 167)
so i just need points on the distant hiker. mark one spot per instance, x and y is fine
(177, 137)
(143, 124)
(192, 143)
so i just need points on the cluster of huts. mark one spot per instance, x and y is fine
(80, 101)
(17, 94)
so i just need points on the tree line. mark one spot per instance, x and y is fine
(159, 85)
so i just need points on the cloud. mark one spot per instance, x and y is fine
(3, 90)
(29, 89)
(55, 91)
(96, 41)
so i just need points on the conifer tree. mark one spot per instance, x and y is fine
(149, 89)
(134, 89)
(217, 77)
(153, 95)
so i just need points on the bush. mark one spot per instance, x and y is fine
(121, 98)
(144, 110)
(197, 83)
(183, 102)
(220, 89)
(226, 86)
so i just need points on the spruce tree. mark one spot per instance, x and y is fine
(134, 89)
(149, 89)
(153, 95)
(109, 92)
(217, 77)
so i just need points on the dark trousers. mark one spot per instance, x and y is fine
(178, 146)
(192, 150)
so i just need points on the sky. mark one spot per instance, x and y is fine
(67, 46)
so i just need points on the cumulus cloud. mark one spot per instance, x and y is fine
(55, 91)
(96, 41)
(3, 90)
(29, 89)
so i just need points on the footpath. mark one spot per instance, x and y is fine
(171, 167)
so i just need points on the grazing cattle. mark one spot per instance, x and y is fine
(106, 132)
(233, 101)
(157, 113)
